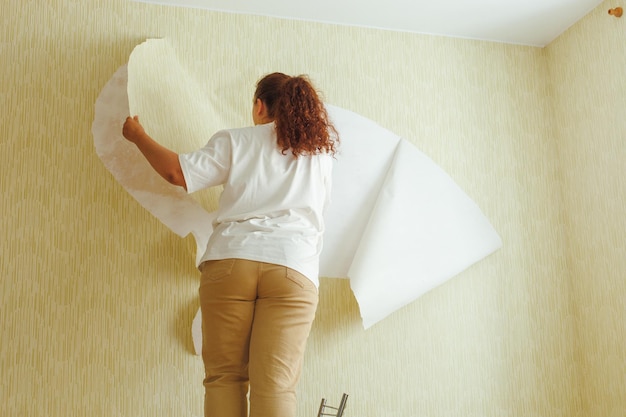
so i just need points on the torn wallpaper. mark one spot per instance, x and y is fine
(398, 225)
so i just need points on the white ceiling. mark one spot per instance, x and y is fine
(526, 22)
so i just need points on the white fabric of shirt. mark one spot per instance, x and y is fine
(271, 208)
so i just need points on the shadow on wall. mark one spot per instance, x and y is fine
(337, 312)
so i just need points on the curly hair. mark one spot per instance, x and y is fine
(301, 120)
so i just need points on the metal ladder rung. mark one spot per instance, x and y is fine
(339, 409)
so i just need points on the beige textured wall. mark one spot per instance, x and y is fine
(98, 297)
(587, 66)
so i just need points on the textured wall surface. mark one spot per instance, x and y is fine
(587, 66)
(98, 296)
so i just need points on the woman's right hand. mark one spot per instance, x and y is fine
(132, 129)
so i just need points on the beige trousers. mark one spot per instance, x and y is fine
(256, 318)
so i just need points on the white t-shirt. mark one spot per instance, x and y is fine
(271, 209)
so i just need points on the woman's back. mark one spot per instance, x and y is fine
(271, 208)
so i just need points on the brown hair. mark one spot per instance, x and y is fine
(301, 120)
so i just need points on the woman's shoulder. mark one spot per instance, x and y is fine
(259, 129)
(258, 134)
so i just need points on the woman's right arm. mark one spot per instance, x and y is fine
(164, 161)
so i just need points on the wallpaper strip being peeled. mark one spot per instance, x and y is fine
(398, 225)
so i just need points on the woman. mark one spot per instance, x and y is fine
(258, 290)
